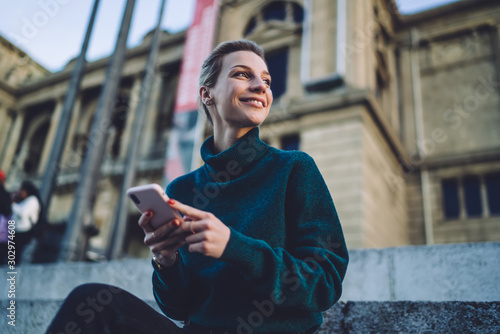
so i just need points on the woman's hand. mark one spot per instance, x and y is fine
(162, 242)
(207, 234)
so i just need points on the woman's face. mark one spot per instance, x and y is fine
(242, 95)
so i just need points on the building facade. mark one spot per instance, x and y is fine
(401, 114)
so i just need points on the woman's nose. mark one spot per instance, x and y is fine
(258, 85)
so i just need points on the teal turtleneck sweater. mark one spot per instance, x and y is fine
(286, 256)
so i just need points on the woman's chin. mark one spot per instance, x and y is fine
(256, 119)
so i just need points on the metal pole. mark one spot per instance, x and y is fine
(81, 213)
(119, 225)
(50, 174)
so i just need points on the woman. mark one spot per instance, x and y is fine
(26, 212)
(261, 248)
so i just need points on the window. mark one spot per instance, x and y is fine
(493, 192)
(472, 196)
(279, 19)
(450, 199)
(290, 142)
(277, 62)
(298, 13)
(275, 11)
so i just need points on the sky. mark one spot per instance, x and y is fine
(52, 31)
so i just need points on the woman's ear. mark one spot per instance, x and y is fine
(205, 95)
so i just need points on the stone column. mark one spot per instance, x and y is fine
(5, 124)
(147, 138)
(67, 156)
(54, 123)
(12, 142)
(495, 45)
(324, 48)
(134, 100)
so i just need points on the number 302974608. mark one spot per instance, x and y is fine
(11, 253)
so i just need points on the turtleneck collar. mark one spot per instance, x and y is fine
(239, 156)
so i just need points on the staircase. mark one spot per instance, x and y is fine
(414, 289)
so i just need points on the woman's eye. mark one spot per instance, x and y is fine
(241, 74)
(268, 82)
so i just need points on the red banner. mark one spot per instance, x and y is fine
(198, 45)
(185, 133)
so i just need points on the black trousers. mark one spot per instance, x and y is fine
(105, 309)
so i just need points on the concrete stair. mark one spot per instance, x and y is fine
(351, 317)
(414, 289)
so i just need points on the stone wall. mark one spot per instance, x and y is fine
(335, 143)
(384, 200)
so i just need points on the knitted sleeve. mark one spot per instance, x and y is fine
(308, 272)
(171, 291)
(174, 288)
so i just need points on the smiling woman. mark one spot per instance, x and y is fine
(263, 253)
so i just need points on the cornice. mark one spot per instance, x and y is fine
(65, 74)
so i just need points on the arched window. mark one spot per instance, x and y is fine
(275, 20)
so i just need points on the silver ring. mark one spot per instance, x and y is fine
(154, 235)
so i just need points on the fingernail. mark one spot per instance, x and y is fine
(149, 214)
(176, 222)
(171, 201)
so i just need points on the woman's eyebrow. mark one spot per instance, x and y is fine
(248, 68)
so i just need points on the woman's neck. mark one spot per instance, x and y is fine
(227, 137)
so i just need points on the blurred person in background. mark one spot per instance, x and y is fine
(27, 210)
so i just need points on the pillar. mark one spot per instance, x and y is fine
(12, 142)
(134, 100)
(151, 117)
(54, 123)
(67, 156)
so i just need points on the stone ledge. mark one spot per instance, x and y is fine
(345, 318)
(454, 272)
(412, 317)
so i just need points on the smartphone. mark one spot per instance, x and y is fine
(151, 197)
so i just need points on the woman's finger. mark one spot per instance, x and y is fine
(144, 221)
(166, 229)
(161, 232)
(188, 210)
(167, 245)
(183, 230)
(192, 227)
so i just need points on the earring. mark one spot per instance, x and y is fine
(209, 102)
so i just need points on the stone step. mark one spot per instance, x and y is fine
(33, 317)
(428, 287)
(411, 273)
